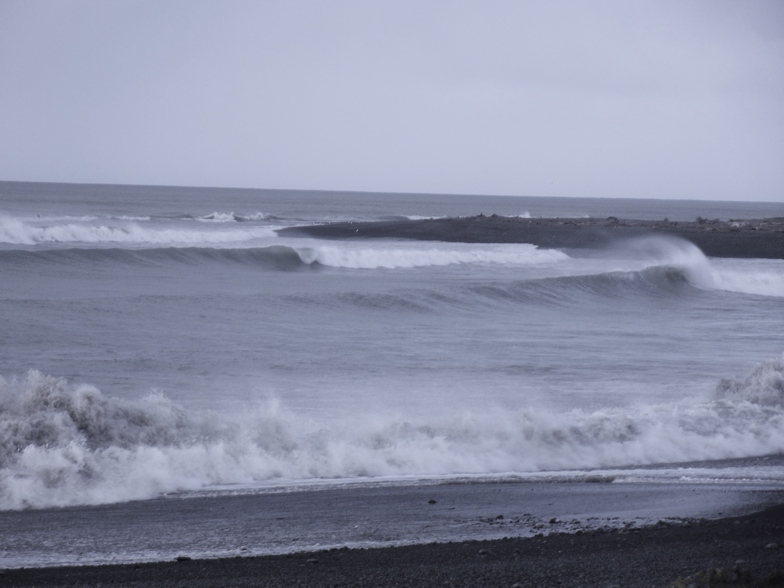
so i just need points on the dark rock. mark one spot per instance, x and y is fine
(714, 238)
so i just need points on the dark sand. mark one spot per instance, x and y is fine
(744, 551)
(760, 238)
(587, 534)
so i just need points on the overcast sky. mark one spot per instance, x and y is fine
(669, 99)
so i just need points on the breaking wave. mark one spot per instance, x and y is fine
(391, 257)
(286, 257)
(763, 386)
(673, 278)
(686, 258)
(63, 444)
(14, 231)
(230, 217)
(275, 257)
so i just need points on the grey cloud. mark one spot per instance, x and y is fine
(649, 99)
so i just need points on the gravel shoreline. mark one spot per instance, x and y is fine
(755, 238)
(740, 551)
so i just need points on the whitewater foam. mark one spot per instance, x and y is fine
(14, 231)
(63, 444)
(707, 274)
(125, 217)
(400, 256)
(230, 217)
(767, 281)
(763, 386)
(63, 218)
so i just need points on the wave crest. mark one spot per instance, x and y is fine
(764, 385)
(15, 232)
(229, 217)
(703, 273)
(386, 257)
(44, 411)
(289, 257)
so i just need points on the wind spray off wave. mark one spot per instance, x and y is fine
(766, 278)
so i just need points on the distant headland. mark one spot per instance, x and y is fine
(756, 238)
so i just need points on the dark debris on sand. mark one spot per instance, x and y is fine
(744, 551)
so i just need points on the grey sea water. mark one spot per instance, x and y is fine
(166, 341)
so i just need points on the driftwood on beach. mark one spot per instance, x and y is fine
(759, 238)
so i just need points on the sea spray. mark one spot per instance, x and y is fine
(65, 444)
(763, 386)
(705, 273)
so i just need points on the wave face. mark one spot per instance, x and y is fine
(67, 445)
(277, 257)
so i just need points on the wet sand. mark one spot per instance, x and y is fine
(543, 534)
(755, 238)
(744, 551)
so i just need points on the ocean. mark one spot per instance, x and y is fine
(163, 345)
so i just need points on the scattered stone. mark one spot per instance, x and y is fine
(431, 501)
(772, 546)
(553, 521)
(182, 558)
(312, 560)
(712, 577)
(483, 552)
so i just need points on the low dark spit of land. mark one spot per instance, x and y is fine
(740, 551)
(759, 238)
